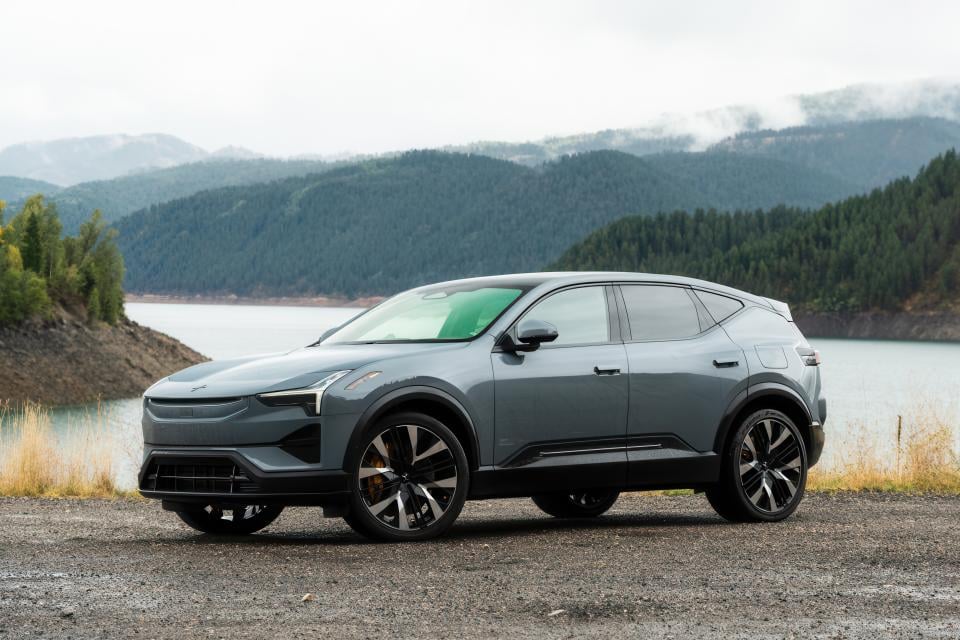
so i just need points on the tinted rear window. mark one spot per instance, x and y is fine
(720, 307)
(660, 312)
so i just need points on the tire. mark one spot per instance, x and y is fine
(764, 470)
(239, 521)
(585, 504)
(409, 479)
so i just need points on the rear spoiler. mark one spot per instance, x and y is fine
(780, 307)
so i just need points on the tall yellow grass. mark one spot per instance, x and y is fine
(921, 457)
(34, 461)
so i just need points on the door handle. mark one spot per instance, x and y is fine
(724, 364)
(606, 370)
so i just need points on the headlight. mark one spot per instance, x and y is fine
(307, 397)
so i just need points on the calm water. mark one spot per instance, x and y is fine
(868, 382)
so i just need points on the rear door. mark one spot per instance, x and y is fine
(684, 373)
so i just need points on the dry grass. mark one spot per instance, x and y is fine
(922, 458)
(36, 461)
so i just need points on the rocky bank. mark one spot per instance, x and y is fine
(64, 360)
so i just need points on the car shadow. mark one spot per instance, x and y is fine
(650, 524)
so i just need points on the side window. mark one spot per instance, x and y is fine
(580, 315)
(660, 312)
(720, 307)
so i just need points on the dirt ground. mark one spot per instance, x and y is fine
(843, 566)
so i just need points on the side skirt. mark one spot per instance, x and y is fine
(644, 463)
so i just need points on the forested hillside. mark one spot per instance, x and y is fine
(868, 154)
(40, 269)
(383, 225)
(119, 197)
(893, 249)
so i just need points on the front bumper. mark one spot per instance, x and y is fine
(238, 450)
(225, 476)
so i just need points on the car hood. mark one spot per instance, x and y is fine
(279, 371)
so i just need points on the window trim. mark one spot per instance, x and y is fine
(614, 325)
(743, 304)
(625, 317)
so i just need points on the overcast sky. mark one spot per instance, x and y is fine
(288, 78)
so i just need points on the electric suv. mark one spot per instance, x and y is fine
(565, 387)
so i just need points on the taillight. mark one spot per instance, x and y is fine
(810, 357)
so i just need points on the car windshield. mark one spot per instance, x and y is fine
(442, 314)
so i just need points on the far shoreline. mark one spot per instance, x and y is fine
(266, 301)
(913, 326)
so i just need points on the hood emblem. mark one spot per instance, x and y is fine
(203, 386)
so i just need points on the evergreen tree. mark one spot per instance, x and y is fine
(38, 268)
(32, 245)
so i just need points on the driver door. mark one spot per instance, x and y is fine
(565, 404)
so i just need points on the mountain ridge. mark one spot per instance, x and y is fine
(68, 161)
(895, 249)
(426, 216)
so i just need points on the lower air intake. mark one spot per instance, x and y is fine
(197, 475)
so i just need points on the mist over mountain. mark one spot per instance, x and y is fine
(869, 154)
(697, 131)
(69, 161)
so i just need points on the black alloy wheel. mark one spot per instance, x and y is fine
(410, 481)
(764, 470)
(232, 520)
(583, 504)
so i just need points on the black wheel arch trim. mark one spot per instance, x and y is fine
(752, 394)
(392, 399)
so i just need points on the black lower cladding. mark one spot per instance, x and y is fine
(225, 477)
(656, 461)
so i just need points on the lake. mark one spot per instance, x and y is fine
(868, 382)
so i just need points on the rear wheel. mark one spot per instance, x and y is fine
(230, 521)
(764, 470)
(410, 481)
(583, 504)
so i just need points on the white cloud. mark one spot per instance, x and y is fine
(289, 77)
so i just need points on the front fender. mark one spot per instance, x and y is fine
(391, 400)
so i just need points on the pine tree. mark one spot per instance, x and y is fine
(32, 245)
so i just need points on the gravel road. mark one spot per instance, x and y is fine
(844, 566)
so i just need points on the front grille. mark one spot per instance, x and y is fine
(195, 409)
(197, 475)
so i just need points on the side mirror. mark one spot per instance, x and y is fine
(530, 335)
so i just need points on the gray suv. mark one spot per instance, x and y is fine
(565, 387)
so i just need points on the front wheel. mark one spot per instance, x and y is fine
(410, 480)
(764, 470)
(230, 521)
(583, 504)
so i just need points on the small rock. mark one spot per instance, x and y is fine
(556, 612)
(67, 612)
(309, 597)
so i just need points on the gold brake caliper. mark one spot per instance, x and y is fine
(375, 482)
